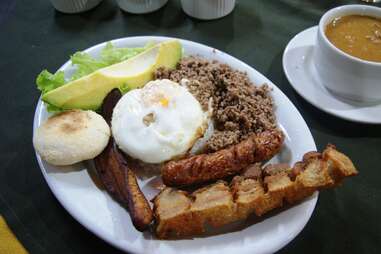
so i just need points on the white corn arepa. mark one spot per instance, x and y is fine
(71, 136)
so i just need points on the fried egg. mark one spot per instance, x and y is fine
(158, 122)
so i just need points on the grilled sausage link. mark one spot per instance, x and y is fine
(227, 162)
(118, 179)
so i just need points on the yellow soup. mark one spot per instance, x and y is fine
(359, 36)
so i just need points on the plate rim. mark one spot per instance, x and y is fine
(107, 237)
(287, 71)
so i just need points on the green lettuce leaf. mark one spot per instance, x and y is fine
(47, 81)
(112, 55)
(85, 65)
(109, 55)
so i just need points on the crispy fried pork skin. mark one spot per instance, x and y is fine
(116, 176)
(227, 162)
(180, 214)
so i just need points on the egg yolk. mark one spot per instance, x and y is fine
(164, 102)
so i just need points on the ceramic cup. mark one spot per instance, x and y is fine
(74, 6)
(141, 6)
(342, 74)
(207, 9)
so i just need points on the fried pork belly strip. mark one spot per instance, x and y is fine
(118, 179)
(227, 162)
(180, 214)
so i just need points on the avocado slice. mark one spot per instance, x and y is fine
(89, 91)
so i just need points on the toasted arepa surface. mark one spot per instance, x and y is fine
(71, 136)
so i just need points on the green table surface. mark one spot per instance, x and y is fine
(34, 36)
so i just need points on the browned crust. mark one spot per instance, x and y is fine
(227, 162)
(69, 122)
(256, 193)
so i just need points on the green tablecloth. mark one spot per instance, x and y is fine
(33, 36)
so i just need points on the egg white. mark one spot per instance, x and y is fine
(158, 122)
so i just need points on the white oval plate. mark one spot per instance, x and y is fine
(94, 209)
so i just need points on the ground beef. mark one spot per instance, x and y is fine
(239, 107)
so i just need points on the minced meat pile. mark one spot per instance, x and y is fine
(239, 107)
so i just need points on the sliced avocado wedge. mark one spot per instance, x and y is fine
(89, 91)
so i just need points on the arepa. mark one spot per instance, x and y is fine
(71, 136)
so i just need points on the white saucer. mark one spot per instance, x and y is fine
(301, 73)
